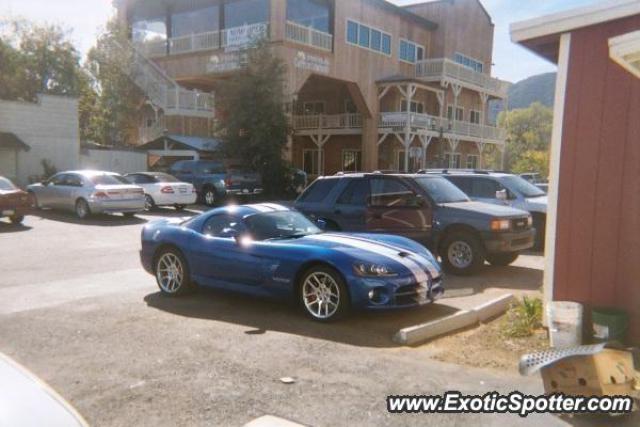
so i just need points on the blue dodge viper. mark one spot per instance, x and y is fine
(272, 251)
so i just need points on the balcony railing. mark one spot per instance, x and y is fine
(152, 48)
(444, 68)
(398, 120)
(188, 100)
(325, 121)
(308, 36)
(194, 42)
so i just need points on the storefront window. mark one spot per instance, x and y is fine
(245, 12)
(195, 21)
(146, 30)
(310, 13)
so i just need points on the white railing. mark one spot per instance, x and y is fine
(476, 130)
(189, 100)
(416, 120)
(245, 35)
(328, 121)
(437, 69)
(151, 133)
(308, 36)
(194, 42)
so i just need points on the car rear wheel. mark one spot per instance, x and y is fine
(16, 219)
(129, 214)
(82, 209)
(209, 197)
(461, 254)
(149, 203)
(179, 207)
(172, 273)
(502, 259)
(323, 294)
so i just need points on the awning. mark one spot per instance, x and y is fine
(10, 140)
(181, 142)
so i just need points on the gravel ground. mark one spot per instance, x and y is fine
(76, 309)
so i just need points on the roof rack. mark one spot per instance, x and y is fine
(452, 171)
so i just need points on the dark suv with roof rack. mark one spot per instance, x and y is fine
(425, 208)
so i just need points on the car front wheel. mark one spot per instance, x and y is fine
(502, 259)
(209, 197)
(323, 294)
(172, 273)
(149, 203)
(461, 254)
(16, 219)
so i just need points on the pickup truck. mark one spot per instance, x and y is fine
(425, 208)
(214, 181)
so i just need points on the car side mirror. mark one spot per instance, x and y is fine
(502, 195)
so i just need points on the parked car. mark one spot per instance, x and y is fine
(162, 189)
(14, 203)
(503, 189)
(214, 181)
(537, 180)
(270, 250)
(89, 192)
(425, 208)
(27, 401)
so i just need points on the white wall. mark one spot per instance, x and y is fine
(8, 163)
(121, 161)
(50, 127)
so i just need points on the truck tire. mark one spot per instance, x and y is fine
(462, 253)
(502, 259)
(209, 196)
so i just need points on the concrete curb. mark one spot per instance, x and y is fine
(419, 333)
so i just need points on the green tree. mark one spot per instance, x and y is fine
(528, 130)
(254, 126)
(110, 103)
(38, 59)
(532, 160)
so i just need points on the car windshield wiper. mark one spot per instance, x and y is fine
(291, 236)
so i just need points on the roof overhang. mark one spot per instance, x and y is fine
(625, 50)
(181, 142)
(10, 140)
(542, 34)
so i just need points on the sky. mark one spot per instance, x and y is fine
(85, 19)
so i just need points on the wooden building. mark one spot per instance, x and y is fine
(593, 221)
(371, 85)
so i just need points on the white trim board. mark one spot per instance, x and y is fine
(625, 50)
(603, 11)
(554, 169)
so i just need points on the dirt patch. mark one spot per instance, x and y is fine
(486, 347)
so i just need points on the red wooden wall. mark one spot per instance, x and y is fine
(598, 235)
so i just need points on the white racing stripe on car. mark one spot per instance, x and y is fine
(375, 247)
(275, 206)
(262, 208)
(428, 265)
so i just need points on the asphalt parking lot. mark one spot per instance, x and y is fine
(78, 310)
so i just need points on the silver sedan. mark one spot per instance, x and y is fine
(89, 192)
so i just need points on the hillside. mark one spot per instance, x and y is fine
(538, 88)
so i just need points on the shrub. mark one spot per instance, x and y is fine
(523, 318)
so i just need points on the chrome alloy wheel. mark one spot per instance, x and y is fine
(460, 254)
(148, 202)
(321, 295)
(170, 273)
(210, 197)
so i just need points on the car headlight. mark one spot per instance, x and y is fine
(372, 270)
(500, 224)
(529, 221)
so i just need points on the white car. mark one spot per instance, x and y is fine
(161, 189)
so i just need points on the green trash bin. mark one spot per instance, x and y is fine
(609, 324)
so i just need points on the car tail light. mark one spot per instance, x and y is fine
(100, 195)
(167, 190)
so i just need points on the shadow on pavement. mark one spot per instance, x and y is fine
(364, 329)
(509, 278)
(169, 212)
(7, 227)
(100, 220)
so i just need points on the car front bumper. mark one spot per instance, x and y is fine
(509, 241)
(396, 292)
(117, 206)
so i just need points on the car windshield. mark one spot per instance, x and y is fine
(441, 190)
(164, 177)
(6, 185)
(280, 225)
(522, 186)
(106, 179)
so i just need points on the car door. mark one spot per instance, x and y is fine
(53, 191)
(351, 206)
(221, 259)
(70, 191)
(395, 208)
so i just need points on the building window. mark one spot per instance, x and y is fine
(350, 107)
(351, 160)
(147, 30)
(309, 13)
(410, 51)
(313, 107)
(472, 161)
(195, 21)
(452, 160)
(459, 113)
(312, 161)
(368, 38)
(416, 107)
(474, 116)
(468, 62)
(246, 12)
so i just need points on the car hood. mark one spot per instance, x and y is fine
(486, 209)
(362, 247)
